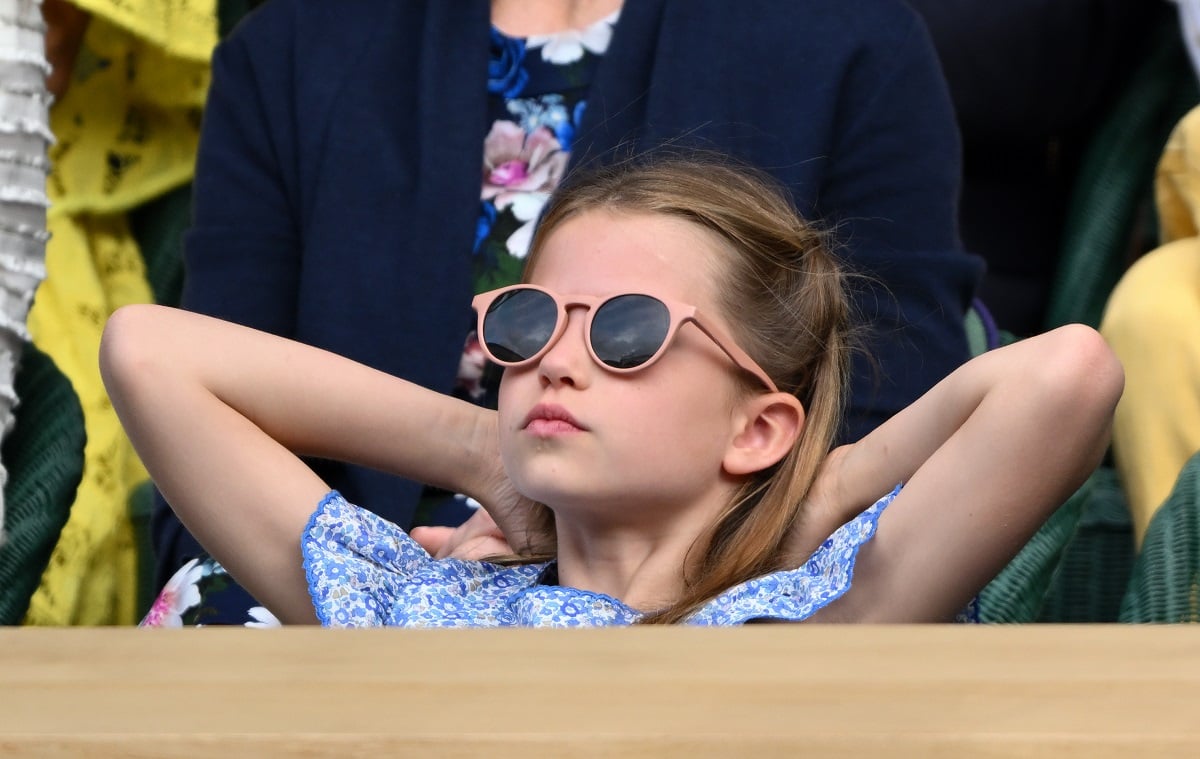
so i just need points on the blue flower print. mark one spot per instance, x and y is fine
(565, 132)
(483, 225)
(422, 592)
(542, 111)
(506, 71)
(550, 112)
(568, 128)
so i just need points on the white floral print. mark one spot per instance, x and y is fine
(261, 617)
(525, 208)
(568, 46)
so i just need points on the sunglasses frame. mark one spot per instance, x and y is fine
(679, 314)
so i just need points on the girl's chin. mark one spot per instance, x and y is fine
(556, 498)
(563, 498)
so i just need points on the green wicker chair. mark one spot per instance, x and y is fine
(1112, 195)
(1094, 570)
(1019, 592)
(1165, 586)
(44, 457)
(158, 226)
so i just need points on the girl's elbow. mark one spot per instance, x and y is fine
(1088, 374)
(127, 345)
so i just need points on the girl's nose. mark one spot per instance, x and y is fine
(568, 362)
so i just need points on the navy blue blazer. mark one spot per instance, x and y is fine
(338, 178)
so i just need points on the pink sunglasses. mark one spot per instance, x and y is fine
(625, 333)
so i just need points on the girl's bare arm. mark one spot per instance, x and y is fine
(220, 414)
(986, 456)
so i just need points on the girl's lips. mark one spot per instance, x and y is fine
(550, 419)
(548, 427)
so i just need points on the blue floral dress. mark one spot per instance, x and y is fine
(364, 571)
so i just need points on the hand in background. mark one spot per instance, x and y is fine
(475, 539)
(65, 27)
(509, 523)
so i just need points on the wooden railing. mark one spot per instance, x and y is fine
(827, 691)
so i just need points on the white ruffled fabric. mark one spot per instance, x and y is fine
(25, 137)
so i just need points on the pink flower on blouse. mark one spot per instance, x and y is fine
(514, 162)
(519, 171)
(177, 596)
(471, 366)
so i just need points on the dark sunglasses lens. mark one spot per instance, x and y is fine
(629, 329)
(518, 324)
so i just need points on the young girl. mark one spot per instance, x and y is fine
(674, 372)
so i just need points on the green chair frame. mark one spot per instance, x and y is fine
(1165, 582)
(43, 454)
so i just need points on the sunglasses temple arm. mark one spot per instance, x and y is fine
(737, 355)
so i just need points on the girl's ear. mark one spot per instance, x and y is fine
(765, 429)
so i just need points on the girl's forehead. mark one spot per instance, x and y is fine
(601, 252)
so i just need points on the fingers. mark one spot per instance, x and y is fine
(432, 539)
(475, 539)
(482, 548)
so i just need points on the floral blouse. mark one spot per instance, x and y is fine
(364, 571)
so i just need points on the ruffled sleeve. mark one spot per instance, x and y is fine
(795, 595)
(354, 560)
(364, 571)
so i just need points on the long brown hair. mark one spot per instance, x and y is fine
(784, 297)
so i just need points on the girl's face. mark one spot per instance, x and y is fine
(638, 446)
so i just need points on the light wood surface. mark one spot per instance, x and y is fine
(940, 691)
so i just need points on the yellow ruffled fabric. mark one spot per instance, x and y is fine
(126, 131)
